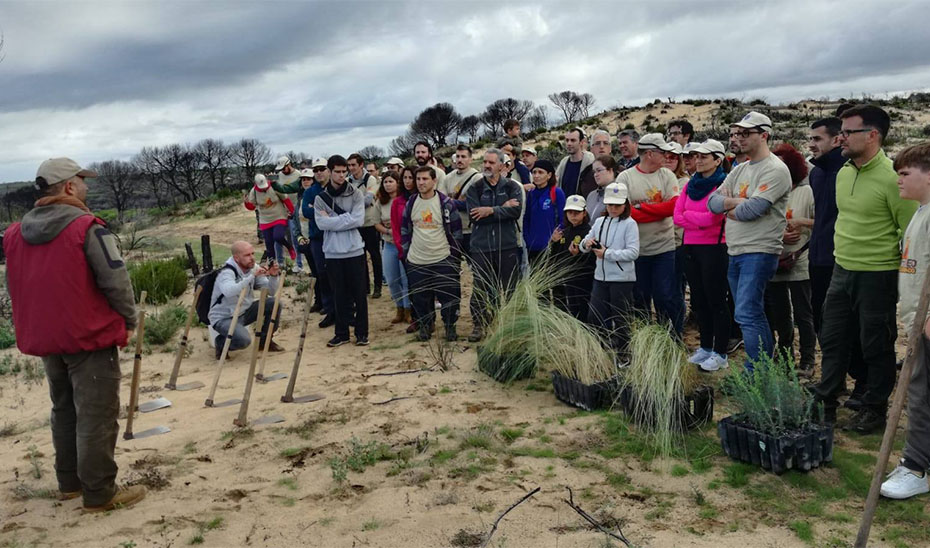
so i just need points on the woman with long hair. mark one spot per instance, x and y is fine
(406, 187)
(388, 191)
(544, 206)
(705, 253)
(788, 295)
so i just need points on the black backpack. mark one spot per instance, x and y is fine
(207, 281)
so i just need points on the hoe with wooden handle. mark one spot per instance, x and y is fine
(219, 367)
(288, 396)
(260, 376)
(182, 347)
(257, 332)
(134, 384)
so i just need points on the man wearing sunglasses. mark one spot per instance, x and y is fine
(860, 307)
(755, 197)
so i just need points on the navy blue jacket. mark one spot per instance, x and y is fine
(823, 182)
(306, 207)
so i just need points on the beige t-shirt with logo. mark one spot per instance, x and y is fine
(659, 186)
(768, 178)
(915, 257)
(800, 206)
(428, 244)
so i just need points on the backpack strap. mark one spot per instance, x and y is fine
(458, 193)
(235, 273)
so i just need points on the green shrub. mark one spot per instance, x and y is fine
(162, 279)
(7, 334)
(160, 328)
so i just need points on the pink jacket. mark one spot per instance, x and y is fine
(701, 226)
(397, 218)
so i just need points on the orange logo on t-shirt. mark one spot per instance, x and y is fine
(428, 217)
(789, 214)
(763, 187)
(908, 266)
(743, 190)
(654, 195)
(268, 203)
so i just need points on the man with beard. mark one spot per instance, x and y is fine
(861, 303)
(574, 172)
(456, 184)
(423, 155)
(73, 306)
(494, 204)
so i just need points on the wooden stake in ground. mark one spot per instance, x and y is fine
(271, 327)
(229, 335)
(288, 396)
(904, 379)
(257, 333)
(182, 346)
(136, 369)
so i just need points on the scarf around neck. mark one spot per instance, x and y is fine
(62, 199)
(700, 186)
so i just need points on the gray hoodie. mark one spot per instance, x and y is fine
(101, 248)
(227, 287)
(341, 239)
(620, 237)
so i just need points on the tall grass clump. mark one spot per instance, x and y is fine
(163, 280)
(659, 377)
(7, 334)
(160, 328)
(771, 398)
(528, 332)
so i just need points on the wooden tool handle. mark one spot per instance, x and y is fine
(257, 332)
(272, 325)
(182, 345)
(229, 335)
(289, 393)
(136, 368)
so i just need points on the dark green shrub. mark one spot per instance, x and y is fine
(7, 334)
(160, 328)
(162, 279)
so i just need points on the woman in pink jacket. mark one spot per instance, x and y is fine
(705, 252)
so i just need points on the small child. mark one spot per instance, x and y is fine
(909, 478)
(614, 240)
(573, 293)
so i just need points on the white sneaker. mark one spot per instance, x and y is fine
(714, 362)
(904, 483)
(296, 270)
(699, 356)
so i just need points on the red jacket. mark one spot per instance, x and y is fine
(57, 306)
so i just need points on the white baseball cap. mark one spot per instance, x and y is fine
(755, 120)
(319, 162)
(531, 150)
(282, 161)
(261, 182)
(654, 141)
(615, 193)
(394, 161)
(56, 170)
(306, 173)
(711, 146)
(690, 148)
(676, 148)
(575, 202)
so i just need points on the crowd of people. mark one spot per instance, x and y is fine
(762, 238)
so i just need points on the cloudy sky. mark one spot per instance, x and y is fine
(99, 80)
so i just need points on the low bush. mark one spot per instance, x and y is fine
(163, 280)
(160, 328)
(7, 334)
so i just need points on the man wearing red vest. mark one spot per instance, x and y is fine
(73, 306)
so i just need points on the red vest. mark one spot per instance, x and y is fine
(57, 306)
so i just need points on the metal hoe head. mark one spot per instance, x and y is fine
(304, 399)
(227, 403)
(154, 405)
(184, 387)
(268, 419)
(275, 377)
(150, 432)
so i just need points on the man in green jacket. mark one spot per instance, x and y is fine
(860, 307)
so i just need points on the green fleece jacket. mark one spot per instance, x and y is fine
(872, 216)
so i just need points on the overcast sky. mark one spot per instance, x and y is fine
(99, 80)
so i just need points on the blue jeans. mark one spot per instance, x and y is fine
(748, 275)
(657, 282)
(395, 275)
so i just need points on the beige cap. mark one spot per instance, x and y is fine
(507, 159)
(690, 148)
(615, 193)
(261, 182)
(711, 146)
(755, 120)
(531, 150)
(394, 161)
(306, 173)
(575, 202)
(282, 161)
(319, 162)
(57, 170)
(676, 148)
(654, 141)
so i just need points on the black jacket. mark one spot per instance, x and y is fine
(497, 232)
(823, 183)
(582, 264)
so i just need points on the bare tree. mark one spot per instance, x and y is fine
(119, 179)
(296, 157)
(214, 157)
(189, 166)
(250, 155)
(538, 119)
(469, 126)
(500, 111)
(434, 124)
(585, 103)
(574, 106)
(403, 145)
(146, 165)
(372, 153)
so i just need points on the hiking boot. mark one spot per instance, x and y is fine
(424, 333)
(377, 292)
(317, 307)
(361, 341)
(275, 347)
(337, 341)
(218, 346)
(69, 495)
(414, 326)
(903, 483)
(476, 334)
(124, 498)
(853, 403)
(699, 356)
(398, 315)
(866, 421)
(408, 315)
(451, 335)
(328, 321)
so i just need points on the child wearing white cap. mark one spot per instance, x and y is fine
(572, 294)
(614, 240)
